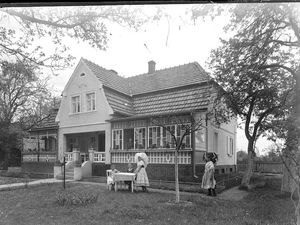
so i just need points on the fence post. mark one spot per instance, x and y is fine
(64, 184)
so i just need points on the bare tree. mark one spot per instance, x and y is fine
(186, 128)
(22, 29)
(20, 92)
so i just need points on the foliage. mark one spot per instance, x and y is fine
(77, 198)
(186, 128)
(257, 67)
(242, 156)
(24, 31)
(22, 95)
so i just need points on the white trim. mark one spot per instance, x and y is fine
(146, 144)
(85, 100)
(83, 125)
(71, 103)
(190, 134)
(112, 138)
(161, 136)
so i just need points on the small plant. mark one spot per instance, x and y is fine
(68, 198)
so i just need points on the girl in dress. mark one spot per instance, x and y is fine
(141, 175)
(110, 177)
(208, 179)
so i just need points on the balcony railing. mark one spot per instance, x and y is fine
(39, 157)
(99, 157)
(157, 156)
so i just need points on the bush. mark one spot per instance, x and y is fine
(68, 198)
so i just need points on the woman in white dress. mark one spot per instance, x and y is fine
(141, 175)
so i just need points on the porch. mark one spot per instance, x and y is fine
(84, 147)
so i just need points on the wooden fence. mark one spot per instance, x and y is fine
(262, 167)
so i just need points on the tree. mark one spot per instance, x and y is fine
(20, 92)
(185, 128)
(22, 28)
(258, 67)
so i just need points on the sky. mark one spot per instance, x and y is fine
(169, 43)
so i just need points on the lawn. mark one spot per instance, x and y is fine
(37, 205)
(12, 180)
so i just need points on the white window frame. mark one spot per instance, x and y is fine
(71, 102)
(229, 145)
(137, 128)
(175, 132)
(184, 140)
(160, 136)
(86, 101)
(112, 144)
(215, 142)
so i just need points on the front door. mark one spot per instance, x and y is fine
(101, 142)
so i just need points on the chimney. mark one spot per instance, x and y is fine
(151, 66)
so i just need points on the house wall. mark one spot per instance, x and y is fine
(82, 122)
(223, 131)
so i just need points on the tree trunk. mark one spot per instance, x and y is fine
(293, 139)
(176, 178)
(249, 171)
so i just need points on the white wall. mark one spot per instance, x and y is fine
(224, 131)
(70, 123)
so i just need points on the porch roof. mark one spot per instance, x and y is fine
(47, 123)
(144, 116)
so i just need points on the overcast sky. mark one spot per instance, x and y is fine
(168, 43)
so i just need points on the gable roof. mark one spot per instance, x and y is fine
(177, 76)
(108, 78)
(167, 90)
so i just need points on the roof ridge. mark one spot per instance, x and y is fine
(108, 70)
(167, 68)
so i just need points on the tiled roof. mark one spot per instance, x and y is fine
(48, 122)
(119, 102)
(108, 78)
(168, 90)
(164, 79)
(177, 76)
(176, 100)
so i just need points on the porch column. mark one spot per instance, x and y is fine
(76, 155)
(91, 154)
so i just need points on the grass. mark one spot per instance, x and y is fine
(11, 180)
(37, 205)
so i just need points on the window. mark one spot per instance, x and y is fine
(167, 139)
(128, 138)
(90, 102)
(154, 137)
(75, 104)
(140, 138)
(186, 143)
(215, 142)
(92, 144)
(73, 143)
(117, 139)
(229, 146)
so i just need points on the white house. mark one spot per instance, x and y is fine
(106, 118)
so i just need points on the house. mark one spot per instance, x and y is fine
(105, 119)
(40, 148)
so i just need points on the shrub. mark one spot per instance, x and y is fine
(68, 198)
